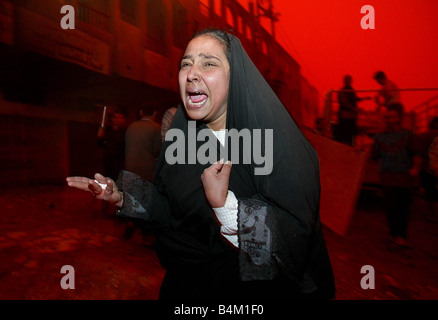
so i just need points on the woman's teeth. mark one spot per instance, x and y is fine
(196, 99)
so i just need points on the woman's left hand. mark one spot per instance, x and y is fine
(215, 180)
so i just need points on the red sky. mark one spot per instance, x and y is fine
(326, 38)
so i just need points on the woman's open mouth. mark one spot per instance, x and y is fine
(196, 99)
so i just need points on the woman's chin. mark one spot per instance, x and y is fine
(195, 114)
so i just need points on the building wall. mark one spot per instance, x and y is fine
(123, 54)
(33, 150)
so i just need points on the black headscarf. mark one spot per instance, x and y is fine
(291, 191)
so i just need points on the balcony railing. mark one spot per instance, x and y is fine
(418, 118)
(425, 112)
(93, 17)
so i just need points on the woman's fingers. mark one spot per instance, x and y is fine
(215, 168)
(215, 181)
(226, 169)
(86, 184)
(102, 188)
(100, 178)
(219, 168)
(94, 187)
(77, 179)
(78, 182)
(109, 186)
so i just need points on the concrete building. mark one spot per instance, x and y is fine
(53, 81)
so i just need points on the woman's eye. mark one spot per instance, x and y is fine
(184, 64)
(209, 64)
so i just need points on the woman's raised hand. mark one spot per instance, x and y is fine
(215, 181)
(109, 193)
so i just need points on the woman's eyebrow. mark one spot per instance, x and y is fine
(207, 56)
(202, 55)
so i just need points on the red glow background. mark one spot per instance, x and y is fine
(326, 38)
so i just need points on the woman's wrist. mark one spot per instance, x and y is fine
(120, 202)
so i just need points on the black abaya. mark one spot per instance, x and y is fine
(280, 237)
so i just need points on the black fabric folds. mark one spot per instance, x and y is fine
(292, 188)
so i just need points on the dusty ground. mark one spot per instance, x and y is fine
(45, 228)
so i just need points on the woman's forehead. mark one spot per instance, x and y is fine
(205, 45)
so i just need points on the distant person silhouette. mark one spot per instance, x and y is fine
(389, 92)
(143, 144)
(346, 129)
(393, 147)
(426, 166)
(142, 148)
(322, 128)
(111, 138)
(167, 121)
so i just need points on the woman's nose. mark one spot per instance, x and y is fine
(193, 74)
